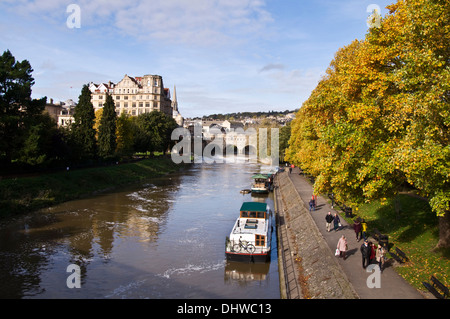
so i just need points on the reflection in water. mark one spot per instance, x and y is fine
(164, 239)
(245, 273)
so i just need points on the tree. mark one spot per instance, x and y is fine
(380, 117)
(83, 132)
(40, 143)
(154, 132)
(16, 106)
(125, 135)
(107, 129)
(285, 134)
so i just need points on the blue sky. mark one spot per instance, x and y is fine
(223, 56)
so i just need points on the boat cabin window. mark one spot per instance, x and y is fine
(260, 240)
(253, 214)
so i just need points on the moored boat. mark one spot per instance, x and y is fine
(261, 183)
(250, 238)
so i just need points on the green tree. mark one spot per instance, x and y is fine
(285, 135)
(83, 132)
(16, 106)
(40, 143)
(125, 133)
(107, 129)
(154, 132)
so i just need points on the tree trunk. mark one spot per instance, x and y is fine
(444, 231)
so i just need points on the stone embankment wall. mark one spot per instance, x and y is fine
(316, 268)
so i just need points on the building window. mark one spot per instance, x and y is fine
(118, 97)
(141, 104)
(125, 104)
(134, 104)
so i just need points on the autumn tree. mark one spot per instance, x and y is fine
(125, 134)
(380, 116)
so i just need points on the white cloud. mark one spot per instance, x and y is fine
(196, 22)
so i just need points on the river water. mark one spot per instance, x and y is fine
(162, 239)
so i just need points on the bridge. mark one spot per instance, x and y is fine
(213, 139)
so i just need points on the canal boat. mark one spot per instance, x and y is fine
(250, 238)
(262, 183)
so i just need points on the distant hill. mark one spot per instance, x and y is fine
(246, 115)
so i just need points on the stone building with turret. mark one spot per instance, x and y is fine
(134, 95)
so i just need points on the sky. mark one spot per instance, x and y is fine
(223, 56)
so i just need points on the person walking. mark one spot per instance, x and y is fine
(342, 246)
(372, 252)
(364, 229)
(311, 205)
(381, 257)
(329, 219)
(365, 253)
(337, 222)
(358, 229)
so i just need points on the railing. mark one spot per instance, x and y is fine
(245, 247)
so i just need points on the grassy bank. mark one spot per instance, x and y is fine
(25, 194)
(413, 228)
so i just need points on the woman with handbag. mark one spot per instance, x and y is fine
(337, 222)
(342, 247)
(381, 257)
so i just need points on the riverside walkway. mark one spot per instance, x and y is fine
(310, 269)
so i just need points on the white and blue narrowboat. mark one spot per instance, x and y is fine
(250, 238)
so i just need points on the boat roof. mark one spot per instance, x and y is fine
(265, 176)
(254, 207)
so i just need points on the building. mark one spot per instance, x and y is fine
(176, 115)
(61, 112)
(134, 95)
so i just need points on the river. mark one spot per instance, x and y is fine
(162, 239)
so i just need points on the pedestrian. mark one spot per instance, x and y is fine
(311, 205)
(314, 202)
(358, 229)
(290, 169)
(337, 222)
(364, 229)
(329, 219)
(342, 247)
(372, 252)
(365, 253)
(381, 257)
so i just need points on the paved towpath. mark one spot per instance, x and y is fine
(392, 285)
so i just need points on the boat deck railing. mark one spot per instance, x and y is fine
(244, 247)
